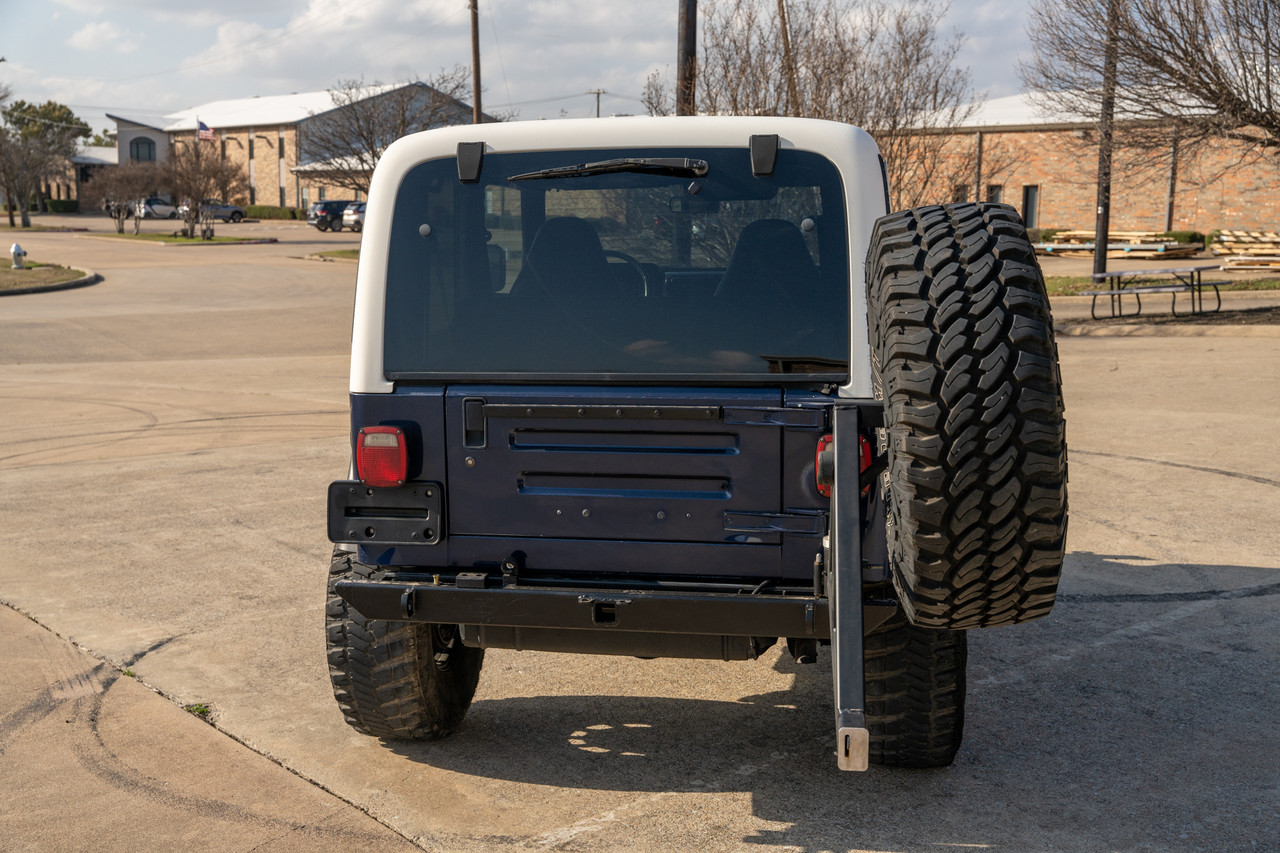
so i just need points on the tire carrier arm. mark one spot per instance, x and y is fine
(844, 593)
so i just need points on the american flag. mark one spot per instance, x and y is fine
(204, 131)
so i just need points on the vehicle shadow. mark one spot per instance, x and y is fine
(1128, 720)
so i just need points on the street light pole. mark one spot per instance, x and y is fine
(597, 93)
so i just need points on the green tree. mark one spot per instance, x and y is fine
(36, 144)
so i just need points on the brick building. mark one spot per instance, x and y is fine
(1047, 165)
(267, 135)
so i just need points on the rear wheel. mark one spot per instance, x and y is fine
(396, 680)
(322, 225)
(963, 354)
(915, 689)
(236, 216)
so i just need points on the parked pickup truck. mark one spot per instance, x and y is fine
(685, 387)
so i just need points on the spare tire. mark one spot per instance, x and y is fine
(963, 356)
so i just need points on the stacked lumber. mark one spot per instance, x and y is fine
(1138, 245)
(1248, 250)
(1232, 242)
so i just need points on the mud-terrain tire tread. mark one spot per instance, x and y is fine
(964, 356)
(915, 691)
(384, 674)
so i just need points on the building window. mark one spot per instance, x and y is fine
(1030, 206)
(959, 192)
(995, 193)
(281, 147)
(306, 197)
(253, 195)
(142, 150)
(322, 193)
(250, 145)
(282, 196)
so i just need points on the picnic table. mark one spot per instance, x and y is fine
(1173, 280)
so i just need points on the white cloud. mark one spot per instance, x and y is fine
(102, 35)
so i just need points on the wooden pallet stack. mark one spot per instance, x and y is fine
(1248, 250)
(1138, 245)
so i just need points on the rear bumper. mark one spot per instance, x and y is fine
(468, 602)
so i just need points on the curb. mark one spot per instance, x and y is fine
(118, 240)
(1165, 330)
(318, 257)
(89, 278)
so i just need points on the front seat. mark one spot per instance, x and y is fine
(566, 261)
(771, 265)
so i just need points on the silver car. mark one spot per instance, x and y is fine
(157, 208)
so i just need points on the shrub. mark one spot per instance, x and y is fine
(267, 211)
(1184, 237)
(63, 205)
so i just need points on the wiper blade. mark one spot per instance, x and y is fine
(677, 167)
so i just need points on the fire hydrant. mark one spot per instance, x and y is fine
(18, 254)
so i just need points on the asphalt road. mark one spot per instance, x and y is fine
(165, 443)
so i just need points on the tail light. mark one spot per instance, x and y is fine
(824, 468)
(381, 458)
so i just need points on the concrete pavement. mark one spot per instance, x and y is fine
(165, 441)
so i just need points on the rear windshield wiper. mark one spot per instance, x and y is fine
(677, 167)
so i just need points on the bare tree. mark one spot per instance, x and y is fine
(877, 64)
(194, 173)
(347, 140)
(119, 189)
(658, 97)
(1188, 72)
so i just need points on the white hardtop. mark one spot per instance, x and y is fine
(850, 149)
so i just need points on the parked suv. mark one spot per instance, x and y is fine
(353, 216)
(327, 215)
(682, 389)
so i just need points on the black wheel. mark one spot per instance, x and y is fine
(396, 680)
(236, 216)
(963, 354)
(356, 227)
(322, 225)
(335, 224)
(915, 689)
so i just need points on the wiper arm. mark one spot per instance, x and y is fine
(676, 167)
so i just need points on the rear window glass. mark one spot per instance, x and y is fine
(635, 273)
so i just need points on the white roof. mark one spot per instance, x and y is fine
(95, 155)
(262, 111)
(1020, 111)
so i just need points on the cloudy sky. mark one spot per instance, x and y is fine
(538, 57)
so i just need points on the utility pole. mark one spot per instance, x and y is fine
(597, 93)
(793, 93)
(686, 57)
(475, 62)
(1106, 123)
